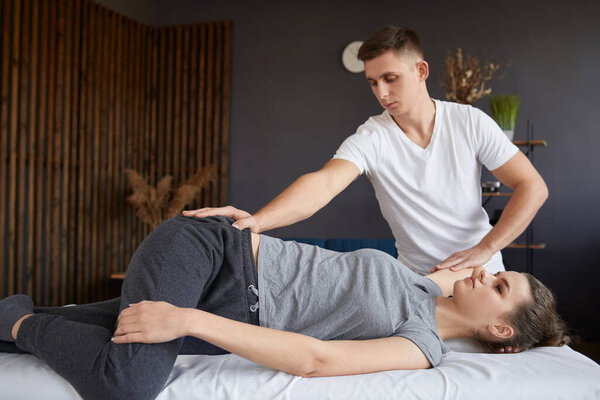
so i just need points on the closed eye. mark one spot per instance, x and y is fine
(499, 288)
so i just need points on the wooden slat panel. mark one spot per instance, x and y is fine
(84, 94)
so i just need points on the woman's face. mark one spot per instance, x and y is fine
(486, 299)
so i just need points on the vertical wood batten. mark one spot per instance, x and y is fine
(170, 32)
(117, 222)
(66, 200)
(22, 137)
(56, 167)
(73, 149)
(32, 151)
(4, 104)
(12, 135)
(184, 162)
(193, 108)
(175, 169)
(201, 106)
(217, 99)
(209, 117)
(224, 155)
(40, 155)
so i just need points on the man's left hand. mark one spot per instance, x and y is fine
(474, 257)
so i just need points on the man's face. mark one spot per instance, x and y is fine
(396, 81)
(487, 298)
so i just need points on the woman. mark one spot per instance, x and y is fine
(305, 310)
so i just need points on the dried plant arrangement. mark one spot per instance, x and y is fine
(466, 78)
(156, 204)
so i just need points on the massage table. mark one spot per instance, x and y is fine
(465, 373)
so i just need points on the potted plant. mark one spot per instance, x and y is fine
(504, 111)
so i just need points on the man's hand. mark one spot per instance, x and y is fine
(242, 218)
(150, 322)
(474, 257)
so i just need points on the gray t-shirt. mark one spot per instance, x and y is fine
(364, 294)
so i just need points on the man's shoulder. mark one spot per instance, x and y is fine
(376, 124)
(455, 109)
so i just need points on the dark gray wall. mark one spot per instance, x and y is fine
(293, 104)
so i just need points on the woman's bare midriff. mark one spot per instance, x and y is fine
(255, 243)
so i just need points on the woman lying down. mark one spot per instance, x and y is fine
(202, 286)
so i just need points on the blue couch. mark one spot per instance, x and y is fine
(386, 245)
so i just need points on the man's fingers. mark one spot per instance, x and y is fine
(135, 337)
(244, 223)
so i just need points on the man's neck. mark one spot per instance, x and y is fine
(419, 122)
(449, 322)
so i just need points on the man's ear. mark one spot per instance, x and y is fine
(501, 330)
(422, 70)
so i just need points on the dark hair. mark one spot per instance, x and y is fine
(390, 38)
(536, 323)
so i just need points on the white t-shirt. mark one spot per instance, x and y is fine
(431, 197)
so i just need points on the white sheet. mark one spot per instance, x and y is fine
(541, 373)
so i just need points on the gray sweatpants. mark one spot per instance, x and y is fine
(188, 262)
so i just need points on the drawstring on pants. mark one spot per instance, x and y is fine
(254, 290)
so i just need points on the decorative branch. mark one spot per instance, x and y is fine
(156, 204)
(466, 78)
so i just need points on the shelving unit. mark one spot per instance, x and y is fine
(529, 244)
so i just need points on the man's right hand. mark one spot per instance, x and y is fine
(242, 218)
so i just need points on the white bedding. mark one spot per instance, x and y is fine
(542, 373)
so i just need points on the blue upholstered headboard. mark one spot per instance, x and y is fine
(386, 245)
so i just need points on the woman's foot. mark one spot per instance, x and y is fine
(12, 310)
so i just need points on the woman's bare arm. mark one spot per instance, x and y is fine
(297, 354)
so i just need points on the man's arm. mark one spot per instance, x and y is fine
(302, 355)
(529, 193)
(307, 195)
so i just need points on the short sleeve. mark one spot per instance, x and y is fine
(429, 343)
(355, 149)
(493, 146)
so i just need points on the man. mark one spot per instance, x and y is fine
(424, 160)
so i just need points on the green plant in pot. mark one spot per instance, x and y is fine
(504, 111)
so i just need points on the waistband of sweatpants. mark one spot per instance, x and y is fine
(250, 276)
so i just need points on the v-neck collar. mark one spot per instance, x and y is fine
(422, 152)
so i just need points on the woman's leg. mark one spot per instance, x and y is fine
(102, 313)
(179, 263)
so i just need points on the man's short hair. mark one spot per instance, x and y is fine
(395, 38)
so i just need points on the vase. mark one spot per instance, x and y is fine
(510, 134)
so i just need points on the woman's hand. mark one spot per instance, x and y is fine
(150, 322)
